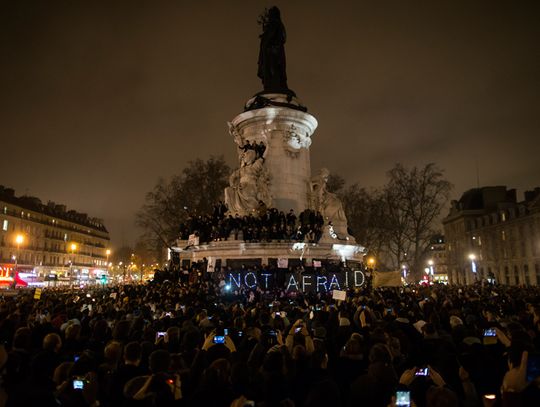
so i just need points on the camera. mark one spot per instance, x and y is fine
(403, 398)
(490, 332)
(219, 339)
(78, 383)
(423, 371)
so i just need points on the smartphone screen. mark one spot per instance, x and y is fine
(490, 332)
(78, 384)
(422, 372)
(297, 329)
(226, 331)
(219, 339)
(403, 398)
(161, 334)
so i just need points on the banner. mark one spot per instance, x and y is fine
(193, 240)
(305, 282)
(387, 279)
(211, 267)
(339, 295)
(283, 263)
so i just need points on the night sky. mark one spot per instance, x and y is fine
(99, 99)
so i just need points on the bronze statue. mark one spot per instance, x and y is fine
(272, 52)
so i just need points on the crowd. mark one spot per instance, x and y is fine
(263, 225)
(180, 344)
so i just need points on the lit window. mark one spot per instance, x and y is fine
(65, 237)
(503, 235)
(5, 224)
(503, 216)
(5, 210)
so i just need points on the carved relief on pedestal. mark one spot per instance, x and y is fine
(294, 141)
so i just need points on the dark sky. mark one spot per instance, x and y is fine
(99, 99)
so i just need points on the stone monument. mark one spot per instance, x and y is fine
(272, 137)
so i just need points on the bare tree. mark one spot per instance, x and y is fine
(168, 205)
(415, 199)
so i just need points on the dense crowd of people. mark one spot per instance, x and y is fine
(263, 225)
(181, 344)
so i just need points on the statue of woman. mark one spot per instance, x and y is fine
(272, 52)
(328, 203)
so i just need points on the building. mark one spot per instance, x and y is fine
(492, 236)
(48, 241)
(435, 260)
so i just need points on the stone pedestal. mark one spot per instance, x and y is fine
(286, 132)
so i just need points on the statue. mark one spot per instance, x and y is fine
(272, 52)
(329, 205)
(248, 185)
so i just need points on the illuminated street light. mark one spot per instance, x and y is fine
(431, 268)
(19, 239)
(73, 247)
(108, 253)
(472, 258)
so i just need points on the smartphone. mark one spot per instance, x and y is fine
(298, 329)
(272, 333)
(403, 398)
(76, 358)
(490, 336)
(226, 331)
(168, 314)
(161, 334)
(533, 367)
(219, 339)
(78, 383)
(422, 371)
(240, 334)
(490, 332)
(278, 314)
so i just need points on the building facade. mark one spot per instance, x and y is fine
(491, 236)
(49, 241)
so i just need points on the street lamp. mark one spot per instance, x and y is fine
(108, 253)
(19, 239)
(431, 268)
(472, 258)
(73, 247)
(371, 262)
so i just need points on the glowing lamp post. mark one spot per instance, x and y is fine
(73, 247)
(431, 268)
(19, 239)
(371, 262)
(472, 258)
(108, 253)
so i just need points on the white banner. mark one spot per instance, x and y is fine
(339, 295)
(193, 240)
(210, 268)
